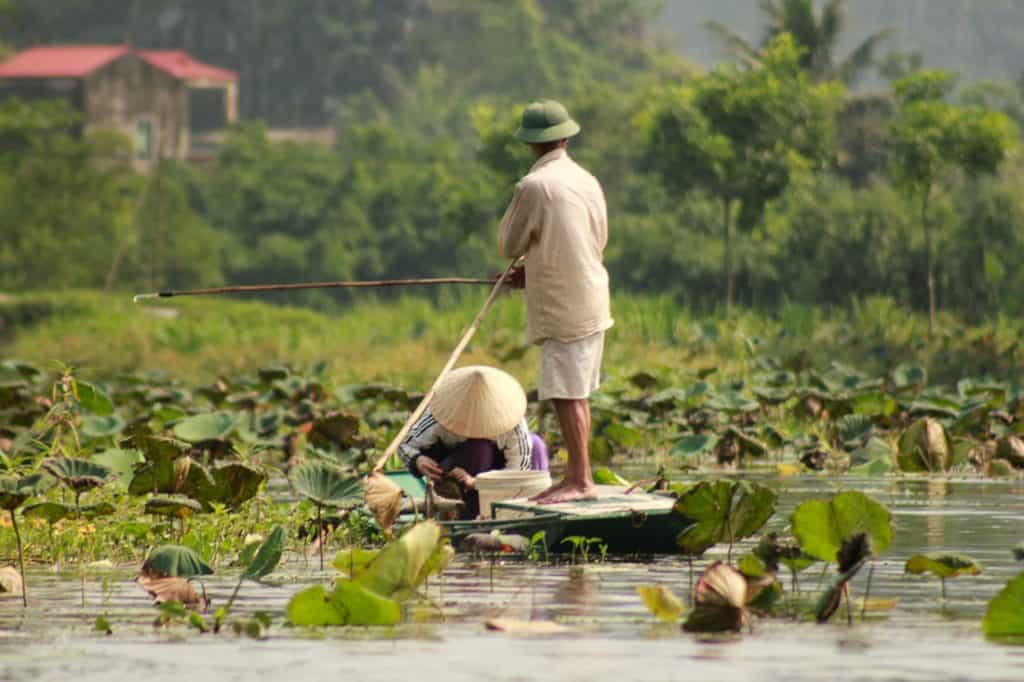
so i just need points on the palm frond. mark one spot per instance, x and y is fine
(733, 43)
(861, 58)
(833, 20)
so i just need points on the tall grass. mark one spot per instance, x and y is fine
(406, 340)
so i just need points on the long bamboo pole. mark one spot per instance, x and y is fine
(463, 342)
(247, 288)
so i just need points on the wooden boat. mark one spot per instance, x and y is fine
(627, 523)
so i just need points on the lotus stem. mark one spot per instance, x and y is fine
(849, 607)
(21, 562)
(689, 560)
(320, 537)
(867, 590)
(943, 582)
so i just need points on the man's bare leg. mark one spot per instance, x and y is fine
(578, 484)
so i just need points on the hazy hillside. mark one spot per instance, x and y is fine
(979, 38)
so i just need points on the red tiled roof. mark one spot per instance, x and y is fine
(180, 64)
(66, 61)
(78, 61)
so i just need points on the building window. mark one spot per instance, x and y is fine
(144, 139)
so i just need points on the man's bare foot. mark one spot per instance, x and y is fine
(557, 487)
(570, 492)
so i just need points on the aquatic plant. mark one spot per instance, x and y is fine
(660, 601)
(925, 447)
(943, 566)
(14, 492)
(372, 593)
(1004, 616)
(721, 599)
(78, 475)
(722, 511)
(326, 485)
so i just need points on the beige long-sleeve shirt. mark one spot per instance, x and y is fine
(558, 219)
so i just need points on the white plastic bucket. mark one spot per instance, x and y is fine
(503, 484)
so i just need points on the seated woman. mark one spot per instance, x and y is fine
(475, 423)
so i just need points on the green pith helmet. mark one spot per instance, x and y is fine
(546, 121)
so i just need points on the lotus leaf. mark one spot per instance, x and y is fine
(720, 600)
(353, 560)
(400, 566)
(181, 475)
(874, 404)
(723, 511)
(79, 475)
(924, 446)
(660, 601)
(327, 485)
(689, 446)
(909, 376)
(732, 402)
(52, 512)
(1018, 552)
(93, 399)
(1004, 617)
(14, 491)
(267, 556)
(348, 604)
(943, 565)
(605, 476)
(160, 449)
(21, 367)
(169, 589)
(338, 429)
(874, 459)
(176, 506)
(853, 429)
(1011, 449)
(121, 462)
(821, 526)
(175, 561)
(233, 484)
(271, 374)
(624, 435)
(208, 426)
(102, 427)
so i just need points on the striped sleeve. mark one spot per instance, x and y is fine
(423, 434)
(517, 447)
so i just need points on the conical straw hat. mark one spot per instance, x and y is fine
(479, 402)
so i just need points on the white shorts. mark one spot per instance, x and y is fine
(570, 370)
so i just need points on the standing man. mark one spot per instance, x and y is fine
(558, 220)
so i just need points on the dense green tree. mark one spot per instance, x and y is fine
(931, 139)
(741, 134)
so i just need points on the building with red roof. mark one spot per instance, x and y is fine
(148, 95)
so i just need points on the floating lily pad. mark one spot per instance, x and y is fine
(943, 565)
(688, 446)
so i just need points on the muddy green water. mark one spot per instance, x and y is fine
(611, 638)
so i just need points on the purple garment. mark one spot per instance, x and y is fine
(478, 455)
